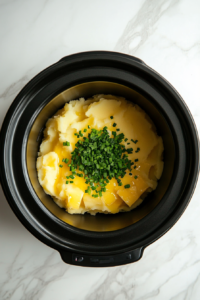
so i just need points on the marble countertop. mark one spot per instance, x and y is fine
(166, 35)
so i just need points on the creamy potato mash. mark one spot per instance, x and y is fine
(75, 122)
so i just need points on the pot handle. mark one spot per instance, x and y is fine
(79, 259)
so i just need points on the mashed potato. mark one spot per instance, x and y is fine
(96, 113)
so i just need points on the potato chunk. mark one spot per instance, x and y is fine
(75, 196)
(48, 169)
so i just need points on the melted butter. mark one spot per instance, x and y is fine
(78, 115)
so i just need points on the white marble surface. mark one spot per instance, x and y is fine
(166, 35)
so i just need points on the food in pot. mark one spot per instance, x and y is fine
(100, 155)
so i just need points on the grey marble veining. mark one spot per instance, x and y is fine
(143, 25)
(166, 35)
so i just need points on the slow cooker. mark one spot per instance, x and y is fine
(101, 240)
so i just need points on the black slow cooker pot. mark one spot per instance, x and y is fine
(103, 240)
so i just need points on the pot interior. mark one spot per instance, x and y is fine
(102, 222)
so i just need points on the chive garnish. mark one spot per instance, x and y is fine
(127, 186)
(60, 166)
(135, 176)
(135, 142)
(99, 157)
(95, 196)
(65, 160)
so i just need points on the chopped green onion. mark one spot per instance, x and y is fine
(127, 186)
(65, 160)
(98, 158)
(135, 142)
(95, 196)
(114, 133)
